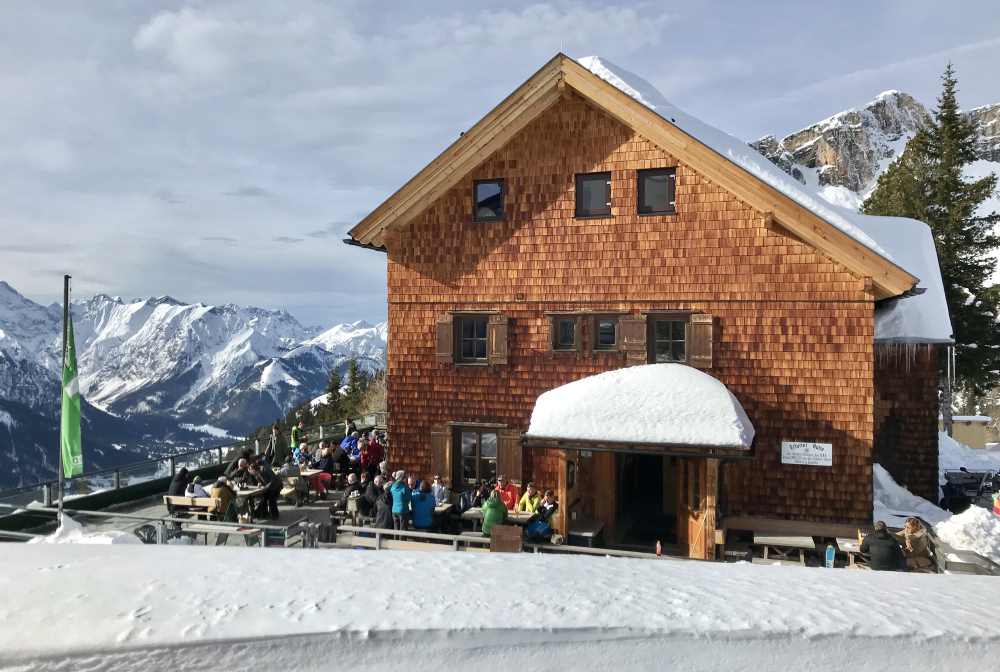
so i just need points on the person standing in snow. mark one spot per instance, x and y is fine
(883, 553)
(913, 538)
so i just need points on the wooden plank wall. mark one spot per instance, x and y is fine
(795, 329)
(906, 415)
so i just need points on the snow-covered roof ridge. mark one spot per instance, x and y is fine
(732, 148)
(665, 404)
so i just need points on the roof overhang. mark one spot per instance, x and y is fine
(666, 449)
(544, 89)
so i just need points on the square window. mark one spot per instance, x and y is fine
(605, 333)
(487, 200)
(656, 188)
(593, 194)
(564, 333)
(478, 459)
(667, 340)
(471, 335)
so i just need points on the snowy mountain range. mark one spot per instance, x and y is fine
(159, 372)
(843, 155)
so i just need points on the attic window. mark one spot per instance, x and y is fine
(656, 191)
(593, 194)
(487, 200)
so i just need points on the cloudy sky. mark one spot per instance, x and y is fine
(218, 151)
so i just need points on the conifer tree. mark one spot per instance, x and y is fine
(928, 183)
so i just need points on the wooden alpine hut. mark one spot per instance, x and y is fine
(596, 292)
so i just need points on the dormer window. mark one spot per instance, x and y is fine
(656, 191)
(593, 195)
(487, 200)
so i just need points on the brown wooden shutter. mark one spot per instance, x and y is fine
(509, 454)
(445, 340)
(699, 341)
(496, 339)
(441, 452)
(633, 339)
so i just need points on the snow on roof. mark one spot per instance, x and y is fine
(133, 608)
(893, 504)
(921, 317)
(733, 149)
(654, 403)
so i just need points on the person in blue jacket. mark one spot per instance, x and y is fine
(422, 504)
(400, 501)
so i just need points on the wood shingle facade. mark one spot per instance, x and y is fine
(784, 326)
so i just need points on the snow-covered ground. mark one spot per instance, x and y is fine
(174, 608)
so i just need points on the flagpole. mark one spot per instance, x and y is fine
(65, 336)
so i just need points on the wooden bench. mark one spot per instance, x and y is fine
(200, 507)
(783, 545)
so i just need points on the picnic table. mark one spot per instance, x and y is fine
(475, 515)
(442, 509)
(851, 546)
(223, 532)
(783, 545)
(247, 494)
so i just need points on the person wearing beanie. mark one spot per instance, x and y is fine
(195, 488)
(400, 501)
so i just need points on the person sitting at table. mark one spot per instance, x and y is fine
(400, 501)
(539, 526)
(508, 492)
(422, 505)
(195, 488)
(341, 459)
(365, 481)
(327, 467)
(226, 497)
(916, 549)
(530, 501)
(238, 463)
(178, 484)
(371, 457)
(301, 455)
(353, 485)
(546, 508)
(272, 488)
(441, 493)
(882, 550)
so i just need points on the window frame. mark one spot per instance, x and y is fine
(578, 180)
(554, 322)
(503, 198)
(640, 190)
(457, 321)
(595, 328)
(682, 318)
(458, 477)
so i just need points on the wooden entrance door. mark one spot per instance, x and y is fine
(697, 492)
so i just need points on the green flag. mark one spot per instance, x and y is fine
(69, 439)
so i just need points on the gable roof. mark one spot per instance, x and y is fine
(725, 160)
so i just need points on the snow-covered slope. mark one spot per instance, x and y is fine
(138, 607)
(172, 364)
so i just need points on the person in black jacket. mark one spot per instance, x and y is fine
(272, 484)
(238, 464)
(383, 507)
(883, 550)
(179, 483)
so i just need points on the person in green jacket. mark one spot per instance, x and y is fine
(297, 434)
(494, 513)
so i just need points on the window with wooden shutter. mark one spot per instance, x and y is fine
(445, 340)
(509, 454)
(441, 452)
(700, 341)
(633, 339)
(496, 339)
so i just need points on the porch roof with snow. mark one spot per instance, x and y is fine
(657, 408)
(724, 159)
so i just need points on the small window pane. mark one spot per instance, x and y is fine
(472, 338)
(468, 444)
(488, 196)
(605, 334)
(488, 446)
(565, 334)
(469, 469)
(593, 194)
(656, 190)
(488, 470)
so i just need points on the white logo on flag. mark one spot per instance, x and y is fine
(73, 387)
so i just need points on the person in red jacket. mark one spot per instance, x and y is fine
(371, 455)
(509, 493)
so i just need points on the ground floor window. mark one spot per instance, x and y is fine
(477, 460)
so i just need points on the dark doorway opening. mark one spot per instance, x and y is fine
(646, 503)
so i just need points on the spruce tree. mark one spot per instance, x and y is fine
(928, 183)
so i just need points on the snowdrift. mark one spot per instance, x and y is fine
(71, 532)
(975, 529)
(171, 607)
(893, 503)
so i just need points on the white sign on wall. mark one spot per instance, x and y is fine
(810, 454)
